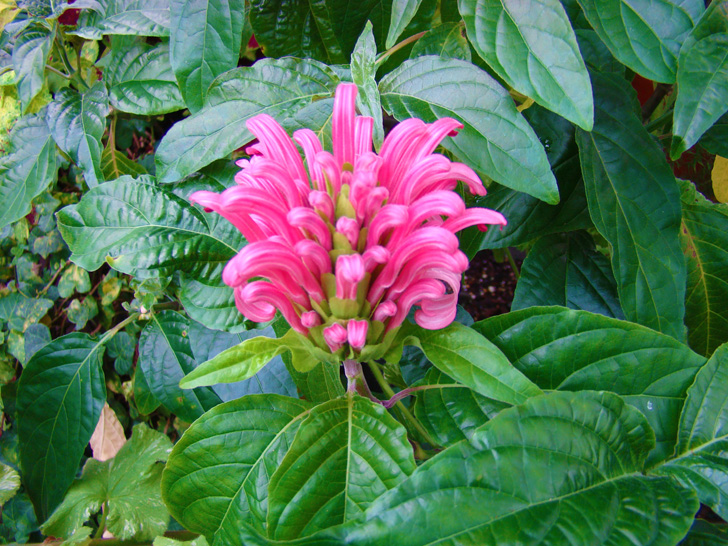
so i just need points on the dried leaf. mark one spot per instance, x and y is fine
(108, 437)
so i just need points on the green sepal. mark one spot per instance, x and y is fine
(344, 309)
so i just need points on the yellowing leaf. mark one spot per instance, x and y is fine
(108, 437)
(8, 10)
(720, 179)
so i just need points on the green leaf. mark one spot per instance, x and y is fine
(496, 140)
(533, 48)
(144, 399)
(141, 80)
(450, 411)
(60, 395)
(703, 533)
(126, 17)
(28, 167)
(702, 81)
(278, 87)
(466, 356)
(218, 473)
(211, 302)
(21, 311)
(30, 54)
(126, 486)
(715, 139)
(646, 35)
(115, 164)
(564, 269)
(18, 520)
(165, 357)
(363, 72)
(702, 449)
(204, 42)
(563, 468)
(345, 454)
(640, 221)
(36, 337)
(74, 279)
(79, 312)
(446, 40)
(402, 13)
(145, 231)
(558, 348)
(9, 483)
(77, 122)
(596, 55)
(704, 239)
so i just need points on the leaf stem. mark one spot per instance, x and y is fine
(102, 522)
(377, 372)
(115, 330)
(658, 121)
(513, 264)
(58, 72)
(53, 278)
(385, 55)
(410, 390)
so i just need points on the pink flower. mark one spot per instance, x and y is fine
(347, 243)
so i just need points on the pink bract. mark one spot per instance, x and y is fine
(347, 243)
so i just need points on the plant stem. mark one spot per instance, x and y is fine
(512, 263)
(655, 123)
(384, 56)
(409, 390)
(377, 372)
(58, 72)
(115, 330)
(102, 522)
(53, 279)
(356, 381)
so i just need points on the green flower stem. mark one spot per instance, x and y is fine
(377, 372)
(356, 382)
(384, 56)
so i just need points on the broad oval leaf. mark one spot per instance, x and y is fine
(715, 139)
(640, 221)
(558, 348)
(348, 451)
(77, 122)
(402, 13)
(125, 17)
(204, 42)
(703, 533)
(701, 459)
(165, 357)
(495, 140)
(278, 87)
(218, 473)
(60, 395)
(468, 357)
(532, 46)
(30, 54)
(445, 40)
(646, 35)
(141, 81)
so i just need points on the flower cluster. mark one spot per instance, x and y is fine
(345, 244)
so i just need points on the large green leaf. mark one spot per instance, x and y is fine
(276, 87)
(125, 17)
(165, 357)
(217, 476)
(114, 164)
(77, 122)
(204, 42)
(701, 459)
(702, 79)
(402, 13)
(28, 167)
(30, 54)
(345, 454)
(146, 231)
(20, 311)
(495, 140)
(646, 35)
(211, 301)
(641, 220)
(704, 238)
(140, 79)
(445, 40)
(557, 348)
(465, 355)
(715, 139)
(126, 486)
(564, 269)
(532, 46)
(60, 395)
(703, 533)
(363, 71)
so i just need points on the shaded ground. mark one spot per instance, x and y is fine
(488, 286)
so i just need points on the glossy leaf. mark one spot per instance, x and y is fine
(30, 54)
(466, 356)
(349, 451)
(445, 40)
(495, 140)
(702, 80)
(144, 399)
(165, 357)
(402, 13)
(126, 486)
(77, 122)
(141, 80)
(451, 411)
(126, 17)
(532, 46)
(9, 483)
(557, 348)
(640, 221)
(218, 473)
(704, 238)
(564, 269)
(701, 453)
(60, 395)
(28, 167)
(703, 533)
(278, 87)
(646, 35)
(146, 231)
(363, 72)
(211, 302)
(114, 164)
(204, 42)
(715, 140)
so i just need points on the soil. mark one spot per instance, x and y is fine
(488, 286)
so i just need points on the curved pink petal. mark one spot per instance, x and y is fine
(335, 336)
(474, 217)
(357, 333)
(343, 124)
(259, 300)
(278, 145)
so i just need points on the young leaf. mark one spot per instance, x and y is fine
(363, 71)
(30, 54)
(60, 395)
(223, 463)
(127, 487)
(532, 46)
(495, 140)
(640, 221)
(348, 451)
